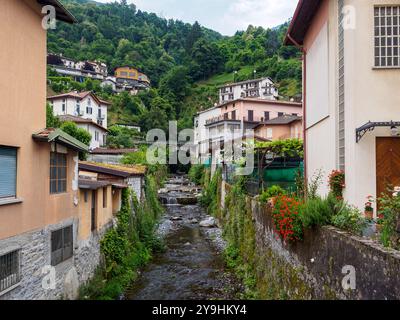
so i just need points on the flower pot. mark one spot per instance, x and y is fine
(369, 214)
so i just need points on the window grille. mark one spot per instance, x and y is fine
(9, 270)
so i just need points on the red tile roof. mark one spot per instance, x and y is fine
(79, 95)
(80, 120)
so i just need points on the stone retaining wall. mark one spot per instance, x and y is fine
(316, 267)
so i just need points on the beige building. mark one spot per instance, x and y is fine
(39, 193)
(280, 128)
(351, 77)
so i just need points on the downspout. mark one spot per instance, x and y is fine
(304, 57)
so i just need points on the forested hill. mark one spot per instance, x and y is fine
(184, 62)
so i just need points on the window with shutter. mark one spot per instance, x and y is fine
(8, 172)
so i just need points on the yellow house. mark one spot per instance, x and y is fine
(130, 73)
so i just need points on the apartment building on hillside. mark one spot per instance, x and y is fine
(263, 88)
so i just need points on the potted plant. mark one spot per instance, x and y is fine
(369, 210)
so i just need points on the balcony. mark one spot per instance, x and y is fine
(225, 117)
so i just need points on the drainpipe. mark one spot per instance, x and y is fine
(304, 57)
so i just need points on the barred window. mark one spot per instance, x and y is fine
(387, 36)
(58, 172)
(9, 270)
(61, 245)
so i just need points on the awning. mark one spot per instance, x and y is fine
(370, 126)
(61, 137)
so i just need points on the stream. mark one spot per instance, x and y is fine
(192, 266)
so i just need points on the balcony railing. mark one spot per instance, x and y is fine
(228, 117)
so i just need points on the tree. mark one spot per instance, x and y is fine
(51, 120)
(78, 133)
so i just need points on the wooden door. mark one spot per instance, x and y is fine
(387, 164)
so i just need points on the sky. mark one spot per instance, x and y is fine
(224, 16)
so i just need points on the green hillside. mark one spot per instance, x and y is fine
(185, 62)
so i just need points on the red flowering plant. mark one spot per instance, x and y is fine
(337, 183)
(287, 220)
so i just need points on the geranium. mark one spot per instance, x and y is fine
(368, 204)
(337, 183)
(286, 217)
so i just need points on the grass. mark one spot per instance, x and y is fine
(224, 78)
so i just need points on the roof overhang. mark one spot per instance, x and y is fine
(370, 126)
(87, 184)
(301, 21)
(62, 14)
(62, 138)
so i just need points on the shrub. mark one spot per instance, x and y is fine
(287, 219)
(389, 216)
(196, 174)
(349, 219)
(272, 192)
(318, 212)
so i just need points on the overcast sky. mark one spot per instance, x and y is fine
(224, 16)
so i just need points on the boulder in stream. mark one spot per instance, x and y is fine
(208, 223)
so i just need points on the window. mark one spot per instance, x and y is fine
(266, 115)
(78, 107)
(8, 172)
(96, 136)
(9, 270)
(387, 40)
(89, 110)
(63, 105)
(124, 74)
(58, 172)
(105, 197)
(280, 114)
(61, 245)
(269, 133)
(85, 195)
(234, 115)
(250, 114)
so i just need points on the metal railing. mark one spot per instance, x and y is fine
(9, 270)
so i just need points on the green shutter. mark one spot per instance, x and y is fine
(8, 172)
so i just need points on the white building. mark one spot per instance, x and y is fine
(351, 82)
(86, 110)
(263, 88)
(201, 137)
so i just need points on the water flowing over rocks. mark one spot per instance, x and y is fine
(192, 266)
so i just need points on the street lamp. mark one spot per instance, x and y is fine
(254, 73)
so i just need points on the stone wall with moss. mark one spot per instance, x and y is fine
(310, 269)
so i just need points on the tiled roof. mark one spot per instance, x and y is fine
(113, 169)
(61, 137)
(79, 95)
(93, 184)
(286, 119)
(112, 151)
(76, 119)
(264, 101)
